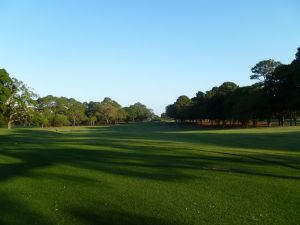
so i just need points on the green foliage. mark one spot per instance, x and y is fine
(17, 100)
(182, 107)
(138, 113)
(141, 112)
(109, 111)
(90, 113)
(75, 112)
(60, 120)
(264, 69)
(275, 95)
(5, 80)
(3, 122)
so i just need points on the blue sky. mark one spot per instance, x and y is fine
(147, 51)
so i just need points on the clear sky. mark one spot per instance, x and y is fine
(150, 51)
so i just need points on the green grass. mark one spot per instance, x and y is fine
(150, 174)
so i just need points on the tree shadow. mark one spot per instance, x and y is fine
(142, 152)
(132, 154)
(15, 212)
(115, 216)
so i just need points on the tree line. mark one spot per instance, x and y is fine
(19, 105)
(275, 96)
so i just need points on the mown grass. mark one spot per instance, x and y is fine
(150, 174)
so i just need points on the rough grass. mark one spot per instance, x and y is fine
(150, 174)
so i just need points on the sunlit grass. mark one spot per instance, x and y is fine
(149, 174)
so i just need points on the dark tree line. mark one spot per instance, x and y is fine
(19, 105)
(275, 96)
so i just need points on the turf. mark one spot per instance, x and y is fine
(150, 174)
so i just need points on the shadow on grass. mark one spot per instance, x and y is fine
(15, 212)
(115, 217)
(142, 151)
(151, 152)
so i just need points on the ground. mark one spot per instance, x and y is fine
(150, 174)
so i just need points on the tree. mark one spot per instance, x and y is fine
(109, 111)
(170, 111)
(62, 105)
(91, 112)
(283, 89)
(198, 108)
(246, 104)
(75, 111)
(19, 100)
(264, 69)
(129, 114)
(140, 112)
(182, 108)
(60, 120)
(298, 54)
(216, 99)
(5, 81)
(46, 109)
(294, 74)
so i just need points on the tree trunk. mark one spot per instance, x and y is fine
(269, 124)
(9, 122)
(224, 123)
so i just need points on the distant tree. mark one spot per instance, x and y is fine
(283, 89)
(40, 120)
(171, 111)
(129, 114)
(198, 108)
(216, 99)
(247, 104)
(298, 55)
(60, 120)
(182, 108)
(91, 112)
(62, 106)
(109, 111)
(156, 118)
(295, 74)
(16, 99)
(92, 120)
(264, 69)
(276, 94)
(46, 110)
(165, 117)
(75, 111)
(5, 82)
(138, 112)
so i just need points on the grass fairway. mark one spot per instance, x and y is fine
(150, 174)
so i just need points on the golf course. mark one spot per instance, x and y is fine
(150, 173)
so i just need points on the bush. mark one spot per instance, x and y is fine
(60, 120)
(3, 122)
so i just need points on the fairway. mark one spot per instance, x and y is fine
(150, 173)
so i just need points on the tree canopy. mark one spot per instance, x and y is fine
(276, 95)
(19, 105)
